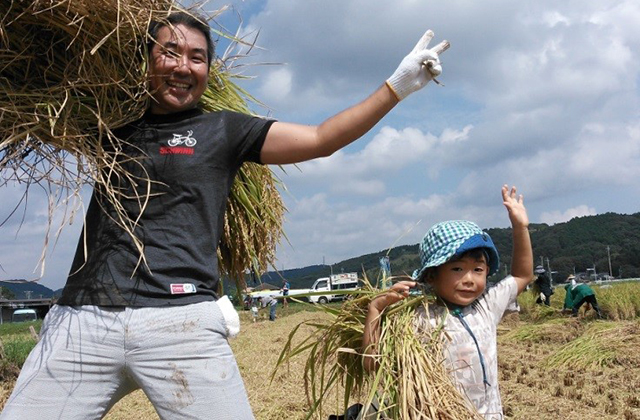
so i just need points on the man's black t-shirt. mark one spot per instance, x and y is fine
(191, 158)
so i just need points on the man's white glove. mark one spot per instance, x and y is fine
(418, 68)
(542, 296)
(231, 318)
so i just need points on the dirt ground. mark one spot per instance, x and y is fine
(529, 389)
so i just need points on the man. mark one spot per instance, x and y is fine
(271, 303)
(120, 325)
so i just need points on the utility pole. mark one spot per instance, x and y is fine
(549, 270)
(609, 258)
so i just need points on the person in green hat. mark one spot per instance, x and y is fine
(577, 295)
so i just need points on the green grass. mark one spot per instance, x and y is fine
(13, 328)
(17, 341)
(17, 350)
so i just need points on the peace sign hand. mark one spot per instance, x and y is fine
(418, 68)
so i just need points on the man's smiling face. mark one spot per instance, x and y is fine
(178, 69)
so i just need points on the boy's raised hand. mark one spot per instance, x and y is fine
(522, 255)
(515, 206)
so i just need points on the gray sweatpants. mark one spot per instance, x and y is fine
(90, 357)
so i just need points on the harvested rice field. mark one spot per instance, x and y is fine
(555, 368)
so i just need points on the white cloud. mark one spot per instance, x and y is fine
(319, 228)
(277, 85)
(365, 172)
(450, 135)
(554, 217)
(554, 18)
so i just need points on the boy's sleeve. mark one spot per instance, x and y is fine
(500, 297)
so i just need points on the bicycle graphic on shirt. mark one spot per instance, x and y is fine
(180, 139)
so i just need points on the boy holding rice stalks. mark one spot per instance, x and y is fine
(122, 323)
(457, 257)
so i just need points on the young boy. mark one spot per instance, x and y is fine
(456, 259)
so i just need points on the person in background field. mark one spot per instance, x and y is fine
(543, 285)
(285, 292)
(577, 295)
(456, 259)
(247, 301)
(271, 303)
(254, 312)
(120, 325)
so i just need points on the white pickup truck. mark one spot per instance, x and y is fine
(278, 293)
(343, 281)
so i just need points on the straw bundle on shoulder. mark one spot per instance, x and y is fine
(411, 381)
(72, 71)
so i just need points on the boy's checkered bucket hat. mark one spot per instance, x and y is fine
(455, 237)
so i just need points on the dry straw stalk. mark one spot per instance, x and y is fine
(411, 381)
(603, 344)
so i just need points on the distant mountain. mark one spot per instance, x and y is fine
(23, 289)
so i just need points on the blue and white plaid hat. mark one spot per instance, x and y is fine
(454, 237)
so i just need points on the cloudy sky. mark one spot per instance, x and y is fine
(539, 94)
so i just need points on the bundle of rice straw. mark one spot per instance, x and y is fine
(411, 381)
(73, 70)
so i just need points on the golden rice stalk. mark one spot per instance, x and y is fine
(603, 344)
(619, 301)
(255, 211)
(411, 381)
(73, 70)
(557, 330)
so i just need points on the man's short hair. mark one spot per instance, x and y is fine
(188, 19)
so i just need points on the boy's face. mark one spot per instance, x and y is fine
(461, 282)
(178, 69)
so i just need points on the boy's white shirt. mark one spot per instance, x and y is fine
(461, 354)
